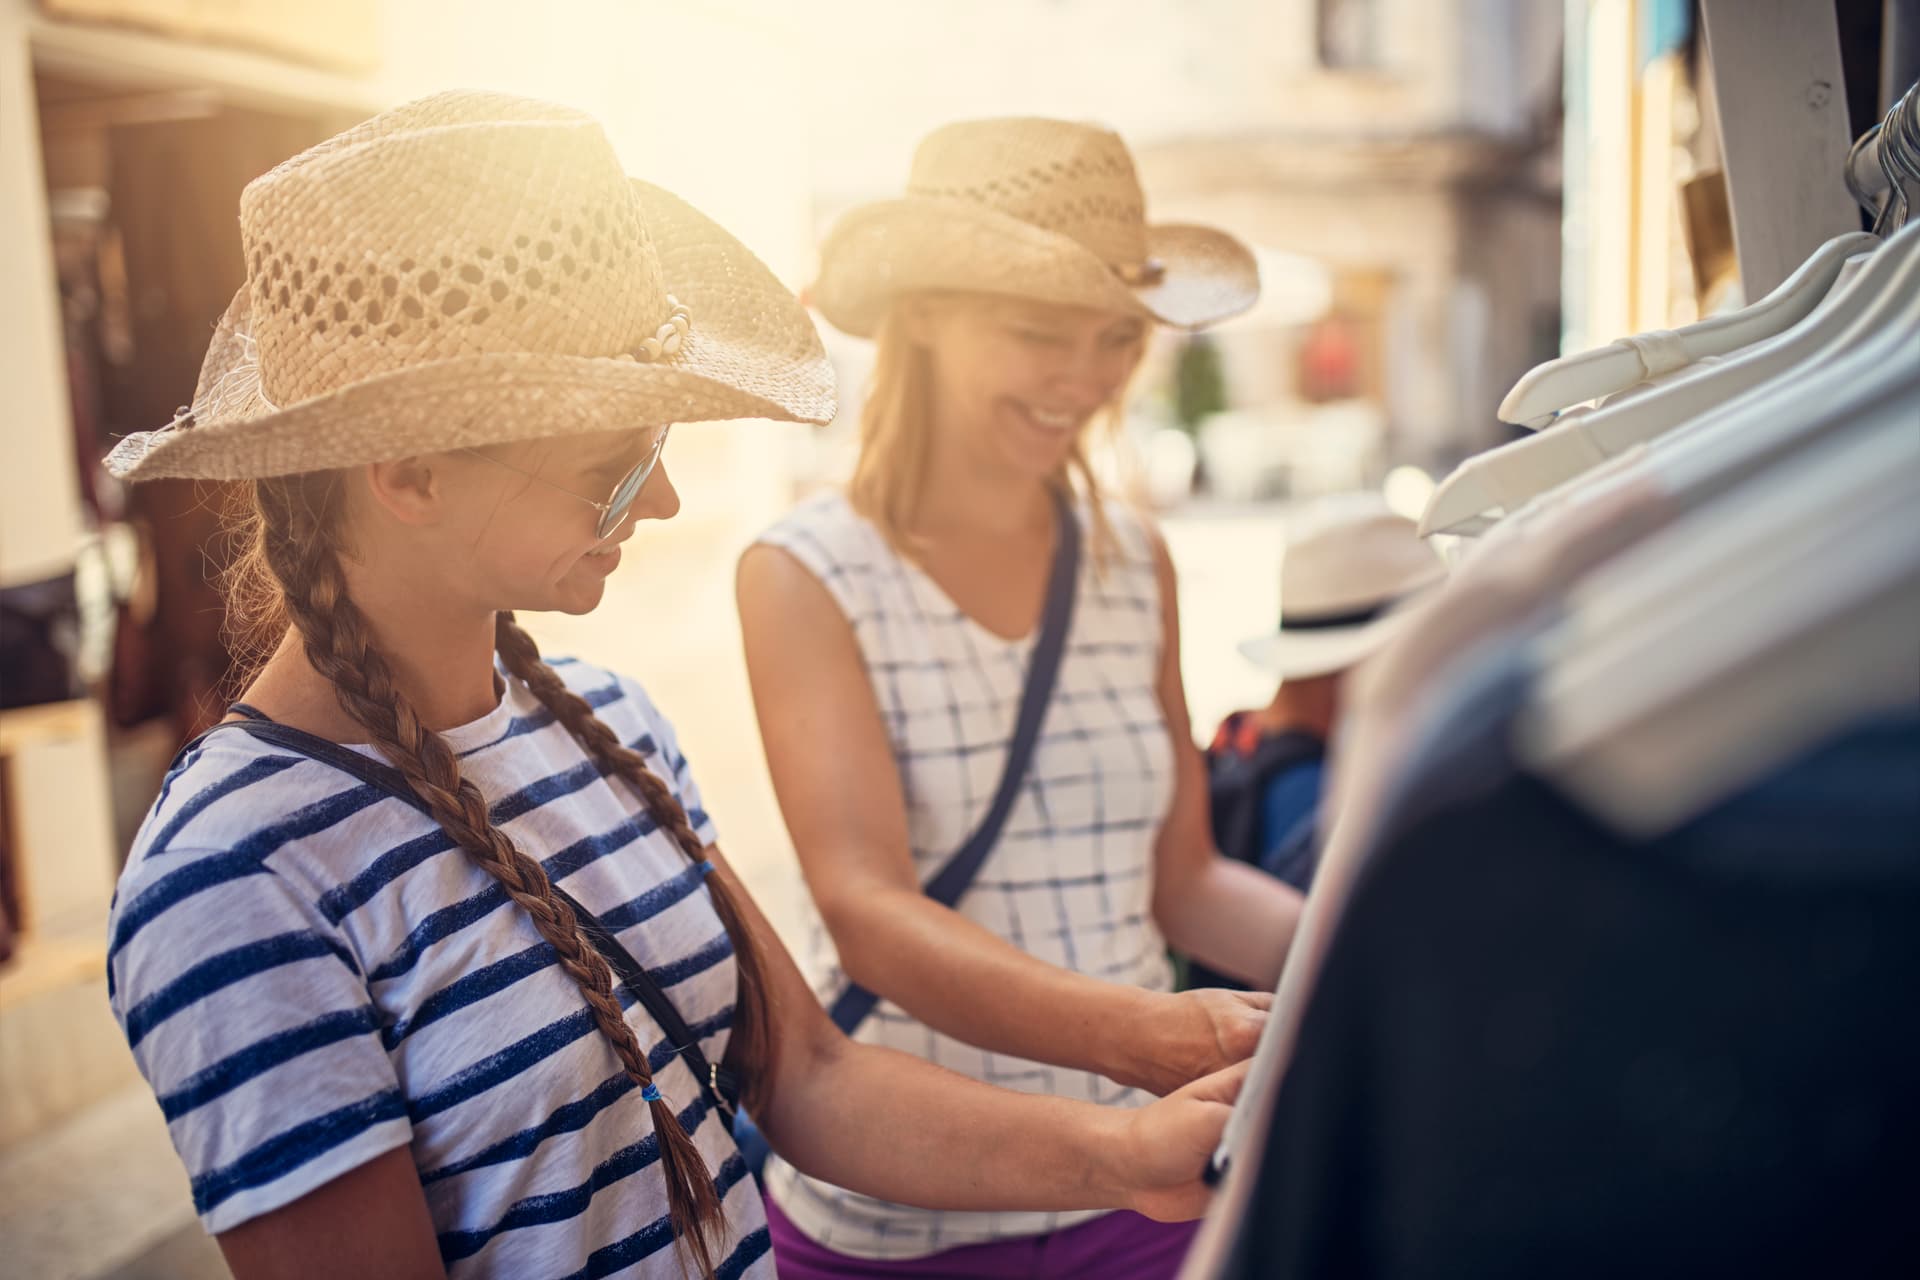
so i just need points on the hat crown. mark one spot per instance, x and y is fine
(463, 224)
(1353, 555)
(1074, 179)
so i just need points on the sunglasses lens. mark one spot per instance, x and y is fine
(629, 489)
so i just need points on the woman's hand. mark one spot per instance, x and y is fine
(1165, 1146)
(1183, 1036)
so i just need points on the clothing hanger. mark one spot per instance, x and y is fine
(1735, 439)
(1786, 604)
(1741, 635)
(1883, 160)
(1893, 146)
(1592, 375)
(1504, 479)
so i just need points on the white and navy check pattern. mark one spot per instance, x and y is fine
(310, 974)
(1071, 879)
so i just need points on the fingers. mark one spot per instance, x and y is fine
(1257, 999)
(1222, 1086)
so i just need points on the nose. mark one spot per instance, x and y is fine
(1093, 374)
(658, 499)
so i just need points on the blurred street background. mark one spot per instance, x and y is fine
(1399, 166)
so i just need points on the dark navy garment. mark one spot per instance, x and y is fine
(1540, 1049)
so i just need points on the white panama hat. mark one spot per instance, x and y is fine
(1348, 563)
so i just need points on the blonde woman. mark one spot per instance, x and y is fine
(427, 951)
(889, 634)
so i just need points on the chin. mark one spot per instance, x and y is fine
(568, 597)
(578, 603)
(1039, 463)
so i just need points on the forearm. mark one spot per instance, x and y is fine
(1231, 917)
(967, 982)
(890, 1125)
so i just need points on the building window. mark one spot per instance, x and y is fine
(1347, 34)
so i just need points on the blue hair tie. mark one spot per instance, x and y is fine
(704, 867)
(650, 1092)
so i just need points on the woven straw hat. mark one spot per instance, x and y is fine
(1036, 209)
(473, 269)
(1349, 563)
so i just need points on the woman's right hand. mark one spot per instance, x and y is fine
(1181, 1036)
(1167, 1144)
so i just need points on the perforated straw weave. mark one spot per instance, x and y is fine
(470, 269)
(1029, 208)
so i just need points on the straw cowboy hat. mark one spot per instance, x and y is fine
(472, 269)
(1348, 563)
(1031, 208)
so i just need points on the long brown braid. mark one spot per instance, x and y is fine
(297, 545)
(752, 1038)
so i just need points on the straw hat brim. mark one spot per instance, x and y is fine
(751, 352)
(877, 252)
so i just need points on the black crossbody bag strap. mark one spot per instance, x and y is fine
(721, 1086)
(1043, 669)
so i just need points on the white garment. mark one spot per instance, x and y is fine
(1071, 878)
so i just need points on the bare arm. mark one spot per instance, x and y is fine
(869, 1119)
(369, 1221)
(834, 773)
(1226, 914)
(890, 1125)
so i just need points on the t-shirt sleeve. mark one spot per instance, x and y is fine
(667, 760)
(250, 1018)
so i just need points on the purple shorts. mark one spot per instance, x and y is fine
(1118, 1246)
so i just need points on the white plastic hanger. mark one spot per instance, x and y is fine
(1742, 436)
(1604, 371)
(1740, 635)
(1784, 605)
(1506, 478)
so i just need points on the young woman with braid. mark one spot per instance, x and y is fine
(384, 1039)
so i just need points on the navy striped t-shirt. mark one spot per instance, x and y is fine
(310, 974)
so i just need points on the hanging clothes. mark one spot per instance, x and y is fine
(1538, 1048)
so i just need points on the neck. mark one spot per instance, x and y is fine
(441, 654)
(971, 493)
(441, 658)
(1298, 706)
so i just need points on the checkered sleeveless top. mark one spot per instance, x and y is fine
(1071, 878)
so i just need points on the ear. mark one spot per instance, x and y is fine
(411, 490)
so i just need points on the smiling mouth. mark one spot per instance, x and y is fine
(1047, 420)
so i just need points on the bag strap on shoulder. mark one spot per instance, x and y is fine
(951, 881)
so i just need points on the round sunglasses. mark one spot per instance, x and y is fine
(613, 509)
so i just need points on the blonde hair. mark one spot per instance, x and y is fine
(890, 476)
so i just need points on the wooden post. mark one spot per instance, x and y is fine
(1775, 66)
(40, 522)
